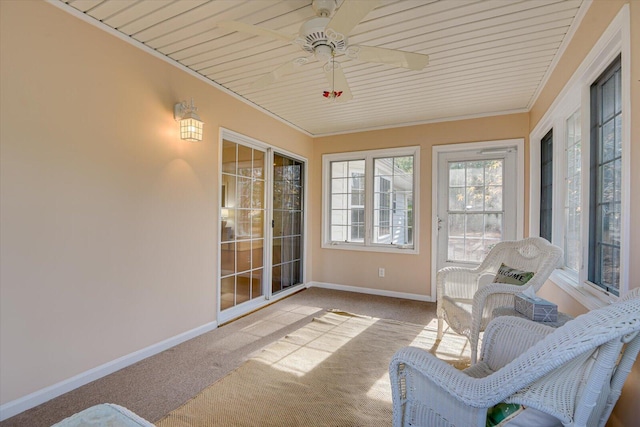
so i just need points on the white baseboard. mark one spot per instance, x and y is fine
(36, 398)
(370, 291)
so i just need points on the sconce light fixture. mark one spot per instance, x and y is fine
(190, 122)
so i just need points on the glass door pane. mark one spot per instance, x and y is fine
(288, 186)
(476, 203)
(242, 224)
(474, 208)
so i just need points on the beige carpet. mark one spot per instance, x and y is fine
(333, 372)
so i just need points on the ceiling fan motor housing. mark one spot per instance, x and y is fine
(316, 40)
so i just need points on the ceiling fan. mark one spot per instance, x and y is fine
(325, 36)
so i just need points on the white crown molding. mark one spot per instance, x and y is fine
(88, 19)
(582, 11)
(423, 122)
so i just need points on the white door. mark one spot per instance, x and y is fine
(261, 251)
(476, 202)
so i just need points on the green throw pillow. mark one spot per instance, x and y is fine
(512, 276)
(502, 413)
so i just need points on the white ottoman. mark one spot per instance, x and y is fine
(104, 415)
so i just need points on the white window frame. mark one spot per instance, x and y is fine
(368, 156)
(576, 95)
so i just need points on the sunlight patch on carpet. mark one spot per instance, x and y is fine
(305, 349)
(380, 389)
(332, 371)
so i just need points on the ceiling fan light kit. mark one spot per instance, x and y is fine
(325, 36)
(314, 34)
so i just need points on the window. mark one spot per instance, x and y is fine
(347, 200)
(573, 192)
(546, 186)
(606, 180)
(393, 200)
(383, 210)
(357, 205)
(590, 211)
(602, 177)
(369, 199)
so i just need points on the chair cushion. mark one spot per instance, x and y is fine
(512, 276)
(514, 415)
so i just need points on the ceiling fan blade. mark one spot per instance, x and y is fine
(397, 58)
(255, 30)
(350, 14)
(284, 69)
(338, 81)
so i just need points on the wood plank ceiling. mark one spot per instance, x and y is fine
(486, 57)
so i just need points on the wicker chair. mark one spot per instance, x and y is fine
(466, 297)
(572, 375)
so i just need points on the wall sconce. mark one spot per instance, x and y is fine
(224, 213)
(190, 122)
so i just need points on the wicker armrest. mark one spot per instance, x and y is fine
(457, 282)
(507, 337)
(437, 372)
(490, 297)
(416, 373)
(498, 294)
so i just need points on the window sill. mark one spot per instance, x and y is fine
(363, 248)
(578, 291)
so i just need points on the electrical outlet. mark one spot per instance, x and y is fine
(381, 272)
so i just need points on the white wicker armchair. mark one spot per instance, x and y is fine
(466, 297)
(574, 373)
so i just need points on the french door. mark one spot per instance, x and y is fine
(287, 222)
(477, 201)
(261, 225)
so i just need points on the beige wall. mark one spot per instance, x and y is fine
(109, 220)
(597, 19)
(108, 232)
(403, 273)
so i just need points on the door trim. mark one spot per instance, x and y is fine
(437, 150)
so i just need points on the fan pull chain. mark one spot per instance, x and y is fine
(332, 95)
(333, 74)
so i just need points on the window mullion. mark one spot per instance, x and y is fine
(368, 200)
(585, 176)
(559, 191)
